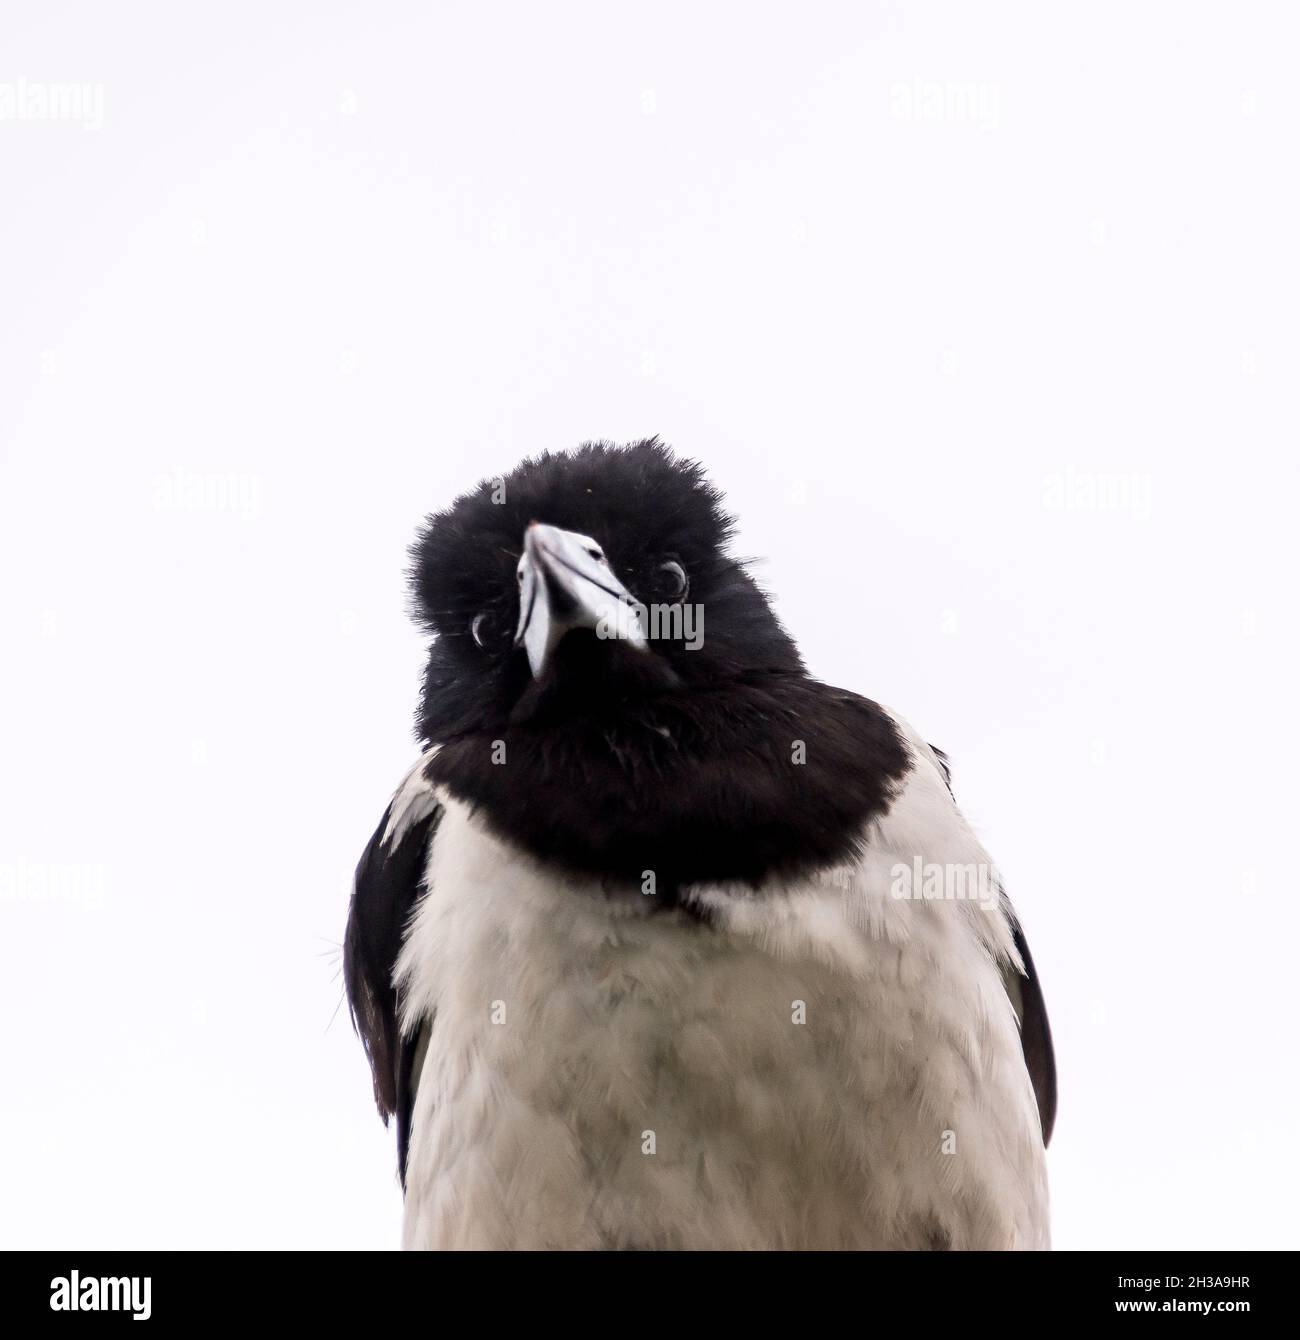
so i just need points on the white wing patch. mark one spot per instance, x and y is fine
(413, 801)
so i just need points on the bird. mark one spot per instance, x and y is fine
(657, 946)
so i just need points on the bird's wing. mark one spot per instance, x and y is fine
(389, 879)
(1035, 1032)
(1027, 998)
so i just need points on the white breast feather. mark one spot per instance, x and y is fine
(574, 1035)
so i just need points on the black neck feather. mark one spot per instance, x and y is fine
(762, 776)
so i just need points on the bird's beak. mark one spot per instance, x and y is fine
(564, 583)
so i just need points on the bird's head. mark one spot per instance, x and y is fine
(611, 691)
(584, 583)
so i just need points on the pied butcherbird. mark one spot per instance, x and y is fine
(636, 950)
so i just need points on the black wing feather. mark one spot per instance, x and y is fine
(389, 881)
(1036, 1035)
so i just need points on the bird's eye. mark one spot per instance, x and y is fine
(483, 630)
(595, 553)
(671, 581)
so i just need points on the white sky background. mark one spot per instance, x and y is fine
(358, 256)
